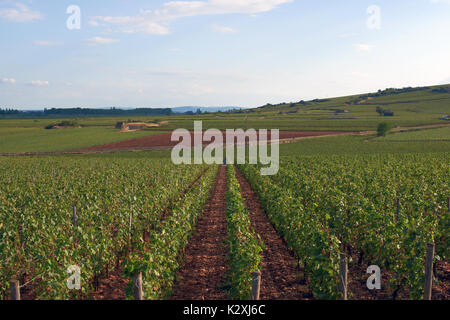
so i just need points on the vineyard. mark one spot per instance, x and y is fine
(117, 204)
(326, 205)
(192, 231)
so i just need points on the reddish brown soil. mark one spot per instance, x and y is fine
(441, 291)
(111, 288)
(164, 140)
(280, 276)
(206, 254)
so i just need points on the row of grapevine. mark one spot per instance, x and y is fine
(303, 232)
(160, 257)
(38, 241)
(324, 205)
(244, 244)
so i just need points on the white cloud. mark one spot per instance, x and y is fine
(100, 40)
(363, 47)
(158, 21)
(8, 80)
(223, 29)
(47, 43)
(39, 83)
(20, 14)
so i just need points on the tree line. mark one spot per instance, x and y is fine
(82, 112)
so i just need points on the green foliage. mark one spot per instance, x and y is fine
(245, 246)
(323, 204)
(304, 231)
(37, 237)
(383, 129)
(65, 123)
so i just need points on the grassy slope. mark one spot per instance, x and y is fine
(412, 108)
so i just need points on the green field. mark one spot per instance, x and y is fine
(15, 140)
(352, 113)
(360, 145)
(425, 135)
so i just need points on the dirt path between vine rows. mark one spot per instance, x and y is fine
(206, 254)
(280, 276)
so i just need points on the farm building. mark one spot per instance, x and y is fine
(119, 125)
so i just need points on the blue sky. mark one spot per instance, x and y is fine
(247, 53)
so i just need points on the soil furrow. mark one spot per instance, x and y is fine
(206, 254)
(280, 276)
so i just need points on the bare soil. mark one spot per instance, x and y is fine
(111, 288)
(164, 140)
(205, 264)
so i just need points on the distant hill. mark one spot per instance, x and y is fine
(412, 100)
(403, 107)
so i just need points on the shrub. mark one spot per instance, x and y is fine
(383, 129)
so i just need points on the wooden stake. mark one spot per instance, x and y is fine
(129, 227)
(15, 289)
(397, 209)
(137, 286)
(256, 285)
(429, 271)
(343, 272)
(448, 204)
(74, 215)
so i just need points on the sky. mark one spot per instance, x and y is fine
(160, 53)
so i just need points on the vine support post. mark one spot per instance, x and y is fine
(343, 273)
(137, 286)
(397, 210)
(130, 221)
(15, 289)
(448, 204)
(429, 271)
(74, 215)
(256, 285)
